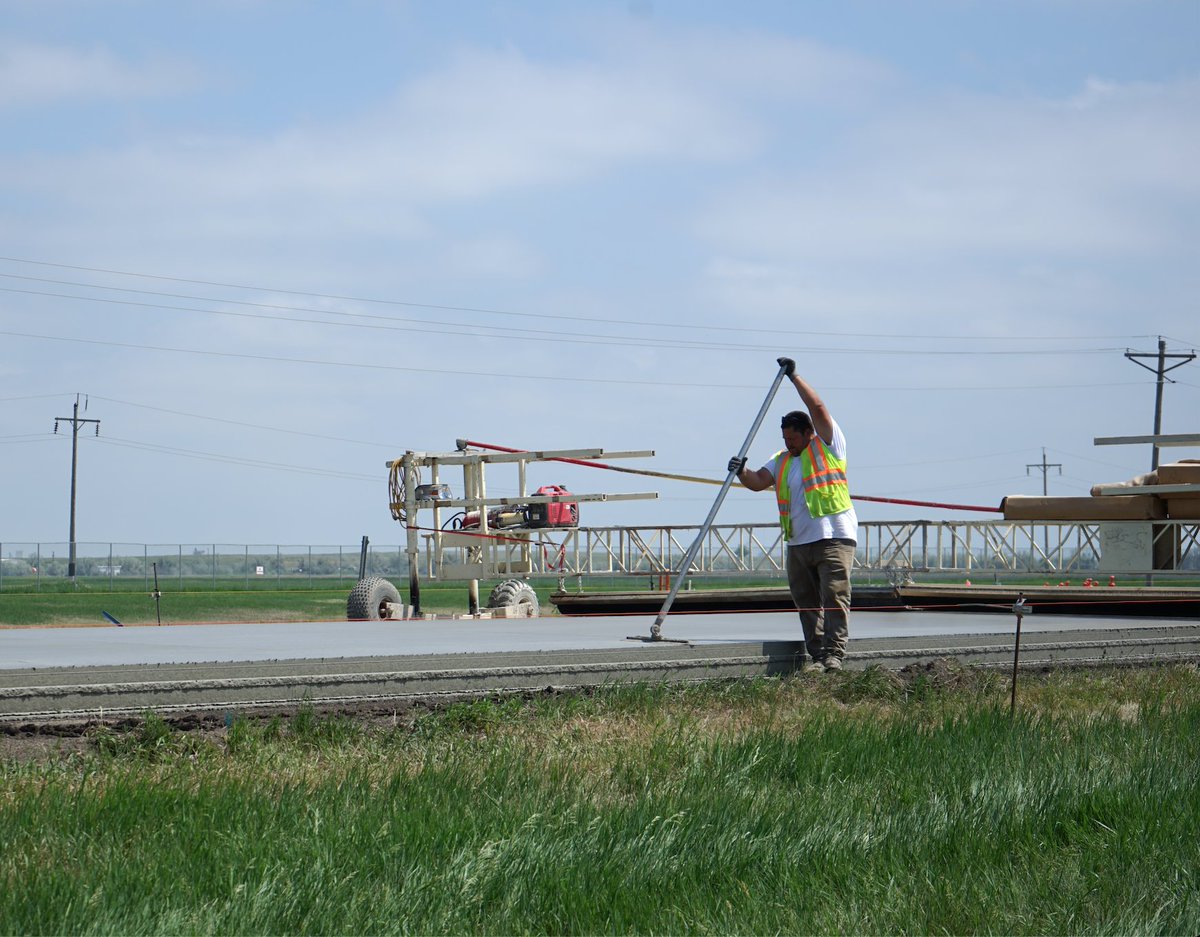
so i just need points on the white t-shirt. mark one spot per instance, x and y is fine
(805, 527)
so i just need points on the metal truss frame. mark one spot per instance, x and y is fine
(897, 549)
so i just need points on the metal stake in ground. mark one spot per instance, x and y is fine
(157, 595)
(1020, 609)
(686, 565)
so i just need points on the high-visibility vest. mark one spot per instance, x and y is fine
(783, 494)
(826, 490)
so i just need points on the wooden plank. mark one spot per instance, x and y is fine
(1162, 439)
(1149, 490)
(1131, 507)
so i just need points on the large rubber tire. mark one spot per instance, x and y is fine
(369, 598)
(513, 593)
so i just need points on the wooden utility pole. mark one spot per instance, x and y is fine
(1045, 467)
(75, 422)
(1160, 370)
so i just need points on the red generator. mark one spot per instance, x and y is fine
(554, 513)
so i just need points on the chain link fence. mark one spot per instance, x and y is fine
(116, 566)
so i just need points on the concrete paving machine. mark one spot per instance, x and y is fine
(484, 538)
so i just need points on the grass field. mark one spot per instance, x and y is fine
(59, 602)
(864, 802)
(174, 607)
(220, 602)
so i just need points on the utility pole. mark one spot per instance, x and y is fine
(1045, 467)
(75, 422)
(1160, 370)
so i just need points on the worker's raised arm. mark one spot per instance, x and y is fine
(821, 419)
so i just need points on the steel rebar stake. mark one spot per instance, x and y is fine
(157, 595)
(1020, 609)
(685, 566)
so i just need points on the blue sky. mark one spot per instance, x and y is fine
(274, 244)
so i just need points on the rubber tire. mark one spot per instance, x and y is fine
(368, 599)
(512, 593)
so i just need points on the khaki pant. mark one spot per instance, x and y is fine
(819, 580)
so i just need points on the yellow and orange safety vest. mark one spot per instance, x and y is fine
(826, 490)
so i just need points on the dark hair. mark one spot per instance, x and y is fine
(798, 420)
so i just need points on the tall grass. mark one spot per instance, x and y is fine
(802, 805)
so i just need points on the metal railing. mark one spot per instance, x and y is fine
(893, 548)
(1165, 549)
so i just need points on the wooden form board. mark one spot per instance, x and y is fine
(1123, 508)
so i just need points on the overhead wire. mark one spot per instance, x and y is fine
(473, 330)
(258, 426)
(673, 342)
(607, 320)
(30, 397)
(587, 338)
(510, 374)
(368, 365)
(232, 460)
(976, 483)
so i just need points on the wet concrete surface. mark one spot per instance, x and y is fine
(50, 676)
(23, 648)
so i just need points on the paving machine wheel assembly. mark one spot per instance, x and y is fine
(515, 593)
(371, 600)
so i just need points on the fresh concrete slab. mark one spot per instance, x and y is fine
(22, 648)
(74, 674)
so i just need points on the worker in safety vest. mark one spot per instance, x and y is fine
(819, 525)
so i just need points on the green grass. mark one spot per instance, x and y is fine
(58, 601)
(174, 607)
(231, 600)
(228, 602)
(859, 803)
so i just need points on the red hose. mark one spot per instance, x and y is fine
(616, 468)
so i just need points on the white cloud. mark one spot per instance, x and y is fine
(36, 74)
(750, 66)
(484, 123)
(495, 121)
(972, 189)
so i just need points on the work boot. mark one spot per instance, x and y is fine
(813, 666)
(832, 663)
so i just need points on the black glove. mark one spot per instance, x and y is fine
(788, 365)
(736, 464)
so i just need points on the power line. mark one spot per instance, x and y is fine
(673, 343)
(29, 397)
(1086, 458)
(494, 332)
(552, 316)
(514, 375)
(859, 467)
(447, 328)
(259, 426)
(237, 460)
(980, 484)
(503, 331)
(456, 372)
